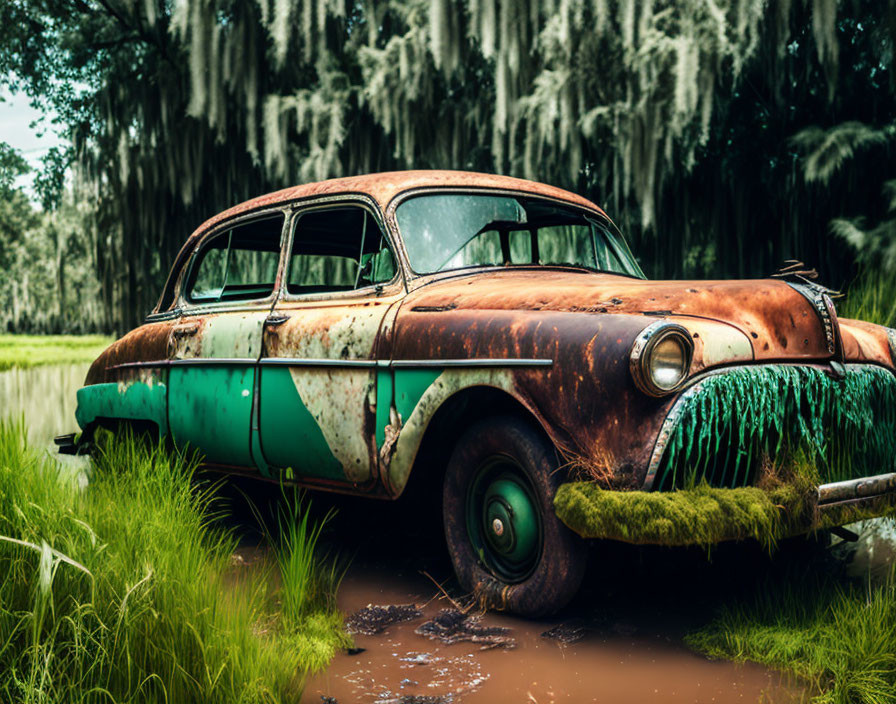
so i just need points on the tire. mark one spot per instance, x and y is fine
(507, 545)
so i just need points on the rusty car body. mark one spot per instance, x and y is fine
(355, 373)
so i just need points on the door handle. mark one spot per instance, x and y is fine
(185, 329)
(275, 320)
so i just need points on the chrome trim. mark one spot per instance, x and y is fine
(639, 357)
(313, 362)
(212, 361)
(140, 365)
(862, 488)
(322, 362)
(479, 362)
(196, 362)
(691, 388)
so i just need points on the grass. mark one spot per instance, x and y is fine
(871, 297)
(24, 351)
(307, 578)
(123, 590)
(837, 636)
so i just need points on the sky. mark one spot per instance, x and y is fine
(16, 116)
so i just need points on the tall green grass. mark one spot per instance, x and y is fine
(26, 351)
(123, 590)
(837, 636)
(871, 297)
(308, 578)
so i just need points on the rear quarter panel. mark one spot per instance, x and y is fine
(112, 391)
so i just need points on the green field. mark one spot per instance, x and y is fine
(25, 351)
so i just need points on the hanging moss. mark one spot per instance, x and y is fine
(731, 423)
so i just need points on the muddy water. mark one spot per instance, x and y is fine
(612, 663)
(46, 397)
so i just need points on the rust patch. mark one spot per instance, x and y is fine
(147, 343)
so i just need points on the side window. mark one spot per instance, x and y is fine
(238, 264)
(338, 249)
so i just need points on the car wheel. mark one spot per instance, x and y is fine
(507, 545)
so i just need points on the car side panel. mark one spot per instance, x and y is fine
(139, 395)
(212, 382)
(320, 384)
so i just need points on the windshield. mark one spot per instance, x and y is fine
(456, 231)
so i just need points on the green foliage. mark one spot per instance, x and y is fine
(839, 638)
(874, 247)
(12, 165)
(177, 110)
(308, 579)
(871, 297)
(826, 151)
(731, 422)
(124, 591)
(24, 351)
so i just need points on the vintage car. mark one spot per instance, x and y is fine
(495, 341)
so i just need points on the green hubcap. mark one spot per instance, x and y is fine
(503, 520)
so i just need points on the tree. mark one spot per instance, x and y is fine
(678, 116)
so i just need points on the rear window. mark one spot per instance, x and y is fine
(238, 264)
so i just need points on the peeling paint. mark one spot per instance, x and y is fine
(423, 407)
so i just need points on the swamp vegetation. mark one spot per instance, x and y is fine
(722, 137)
(122, 588)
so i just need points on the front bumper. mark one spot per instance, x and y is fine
(706, 515)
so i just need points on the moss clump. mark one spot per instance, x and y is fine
(700, 516)
(784, 503)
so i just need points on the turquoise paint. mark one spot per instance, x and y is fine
(384, 393)
(129, 400)
(210, 408)
(290, 435)
(410, 385)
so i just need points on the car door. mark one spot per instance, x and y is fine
(229, 290)
(321, 393)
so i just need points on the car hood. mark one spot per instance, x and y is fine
(777, 320)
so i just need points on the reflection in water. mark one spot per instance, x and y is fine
(46, 397)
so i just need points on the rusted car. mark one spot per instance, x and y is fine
(494, 341)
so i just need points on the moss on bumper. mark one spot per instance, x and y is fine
(704, 515)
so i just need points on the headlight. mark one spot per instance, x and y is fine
(891, 336)
(661, 358)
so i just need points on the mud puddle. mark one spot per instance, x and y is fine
(620, 641)
(582, 661)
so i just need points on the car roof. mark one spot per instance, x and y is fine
(383, 187)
